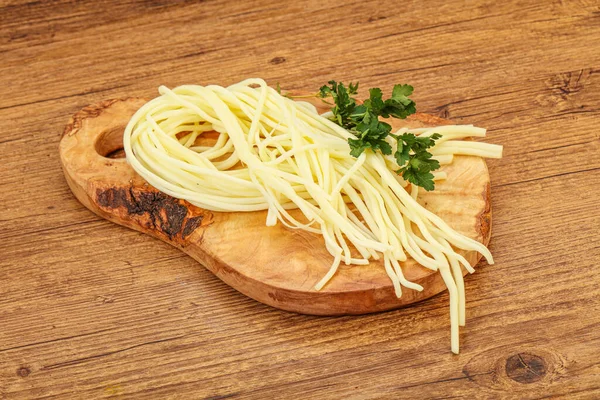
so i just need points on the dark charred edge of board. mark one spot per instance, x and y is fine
(484, 218)
(91, 111)
(153, 210)
(191, 225)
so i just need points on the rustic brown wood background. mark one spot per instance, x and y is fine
(89, 309)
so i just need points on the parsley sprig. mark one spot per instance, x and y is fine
(362, 120)
(415, 162)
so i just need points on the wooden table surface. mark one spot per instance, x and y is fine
(89, 309)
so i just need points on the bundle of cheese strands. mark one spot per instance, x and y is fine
(273, 153)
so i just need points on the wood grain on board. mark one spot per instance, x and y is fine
(90, 309)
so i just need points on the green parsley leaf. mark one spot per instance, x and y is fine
(400, 93)
(399, 105)
(357, 146)
(415, 161)
(344, 104)
(362, 120)
(353, 89)
(424, 180)
(402, 153)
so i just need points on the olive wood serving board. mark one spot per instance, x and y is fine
(274, 265)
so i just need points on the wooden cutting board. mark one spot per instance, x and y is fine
(273, 265)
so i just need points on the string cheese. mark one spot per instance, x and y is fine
(272, 153)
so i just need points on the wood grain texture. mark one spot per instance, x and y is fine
(274, 265)
(92, 310)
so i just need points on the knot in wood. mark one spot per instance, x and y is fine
(526, 367)
(277, 60)
(23, 372)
